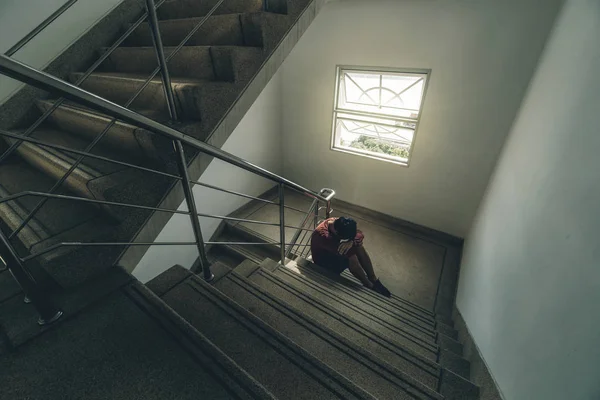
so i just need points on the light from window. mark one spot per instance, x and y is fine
(376, 113)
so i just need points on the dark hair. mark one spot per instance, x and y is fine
(345, 227)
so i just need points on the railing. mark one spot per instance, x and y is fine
(49, 311)
(19, 45)
(306, 227)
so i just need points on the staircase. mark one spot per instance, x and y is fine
(210, 72)
(260, 329)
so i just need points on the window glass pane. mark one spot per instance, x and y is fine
(392, 94)
(402, 92)
(376, 113)
(374, 139)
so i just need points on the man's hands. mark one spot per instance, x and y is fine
(345, 246)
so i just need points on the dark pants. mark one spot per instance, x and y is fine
(333, 262)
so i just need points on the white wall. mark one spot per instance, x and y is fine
(529, 288)
(257, 139)
(19, 17)
(482, 54)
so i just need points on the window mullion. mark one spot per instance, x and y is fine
(374, 115)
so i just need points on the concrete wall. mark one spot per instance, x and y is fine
(529, 288)
(256, 139)
(19, 17)
(482, 55)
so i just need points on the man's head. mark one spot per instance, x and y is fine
(345, 228)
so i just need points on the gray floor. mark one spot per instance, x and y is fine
(408, 263)
(112, 351)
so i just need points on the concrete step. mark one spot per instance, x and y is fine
(224, 256)
(8, 287)
(137, 144)
(395, 304)
(245, 234)
(403, 316)
(18, 321)
(282, 367)
(36, 238)
(363, 368)
(220, 63)
(63, 220)
(399, 302)
(409, 324)
(195, 99)
(260, 29)
(54, 222)
(93, 179)
(172, 9)
(425, 368)
(128, 334)
(224, 30)
(420, 341)
(4, 347)
(396, 310)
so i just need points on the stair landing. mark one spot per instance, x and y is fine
(421, 267)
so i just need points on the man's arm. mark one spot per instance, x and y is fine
(321, 243)
(358, 239)
(349, 248)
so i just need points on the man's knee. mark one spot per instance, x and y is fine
(353, 261)
(361, 251)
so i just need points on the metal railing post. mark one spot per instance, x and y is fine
(10, 52)
(299, 231)
(181, 162)
(191, 204)
(44, 305)
(282, 222)
(160, 56)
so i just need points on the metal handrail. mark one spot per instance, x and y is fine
(32, 193)
(162, 68)
(19, 45)
(96, 140)
(39, 79)
(79, 81)
(309, 214)
(85, 154)
(42, 80)
(138, 167)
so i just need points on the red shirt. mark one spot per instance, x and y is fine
(323, 242)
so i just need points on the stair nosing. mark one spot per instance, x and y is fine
(390, 344)
(434, 348)
(142, 77)
(227, 46)
(170, 20)
(277, 341)
(92, 113)
(145, 299)
(397, 301)
(65, 161)
(327, 334)
(316, 276)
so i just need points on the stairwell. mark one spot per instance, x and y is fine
(210, 75)
(261, 329)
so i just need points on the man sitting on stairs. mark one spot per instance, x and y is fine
(337, 244)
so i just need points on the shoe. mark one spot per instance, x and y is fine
(379, 288)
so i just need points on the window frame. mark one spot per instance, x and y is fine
(376, 70)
